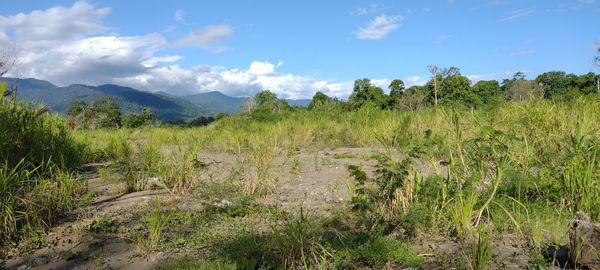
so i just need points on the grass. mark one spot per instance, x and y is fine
(520, 170)
(154, 223)
(38, 155)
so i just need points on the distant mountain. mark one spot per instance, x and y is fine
(130, 100)
(217, 102)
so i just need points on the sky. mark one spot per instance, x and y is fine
(293, 48)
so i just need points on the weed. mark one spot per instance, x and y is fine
(154, 223)
(481, 253)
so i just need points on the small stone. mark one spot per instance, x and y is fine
(224, 203)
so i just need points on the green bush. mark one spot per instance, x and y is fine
(36, 137)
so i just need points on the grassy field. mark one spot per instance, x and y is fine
(437, 187)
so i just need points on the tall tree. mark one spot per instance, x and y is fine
(267, 102)
(365, 92)
(438, 75)
(558, 84)
(320, 100)
(412, 98)
(507, 83)
(488, 92)
(106, 113)
(396, 88)
(457, 89)
(521, 90)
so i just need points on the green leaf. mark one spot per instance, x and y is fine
(2, 90)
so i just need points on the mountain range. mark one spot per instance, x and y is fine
(163, 105)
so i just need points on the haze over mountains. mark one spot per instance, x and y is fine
(165, 106)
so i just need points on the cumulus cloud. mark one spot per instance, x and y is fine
(57, 23)
(76, 48)
(379, 27)
(261, 68)
(238, 82)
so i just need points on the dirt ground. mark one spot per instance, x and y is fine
(318, 182)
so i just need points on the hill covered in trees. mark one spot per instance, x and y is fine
(165, 106)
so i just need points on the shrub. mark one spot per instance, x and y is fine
(36, 137)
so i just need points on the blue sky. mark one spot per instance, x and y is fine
(294, 48)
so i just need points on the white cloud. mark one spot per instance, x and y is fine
(238, 82)
(261, 68)
(207, 37)
(78, 50)
(517, 14)
(379, 27)
(91, 60)
(415, 80)
(179, 15)
(152, 61)
(57, 23)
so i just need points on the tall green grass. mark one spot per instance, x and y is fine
(37, 157)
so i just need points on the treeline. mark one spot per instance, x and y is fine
(105, 113)
(447, 87)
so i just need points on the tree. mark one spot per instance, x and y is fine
(106, 114)
(266, 104)
(412, 98)
(268, 101)
(144, 118)
(365, 92)
(558, 84)
(521, 90)
(438, 75)
(319, 100)
(77, 107)
(506, 83)
(396, 87)
(587, 83)
(488, 92)
(248, 105)
(457, 89)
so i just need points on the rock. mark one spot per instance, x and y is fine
(584, 241)
(224, 203)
